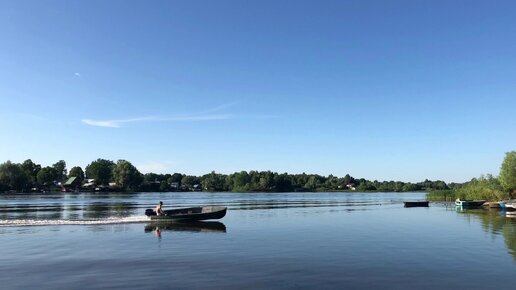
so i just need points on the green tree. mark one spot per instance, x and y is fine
(152, 177)
(365, 185)
(298, 180)
(77, 172)
(348, 179)
(164, 186)
(411, 187)
(176, 177)
(101, 170)
(508, 172)
(47, 175)
(241, 181)
(31, 169)
(440, 185)
(12, 176)
(189, 181)
(60, 167)
(283, 182)
(332, 182)
(213, 182)
(266, 182)
(398, 186)
(313, 182)
(126, 175)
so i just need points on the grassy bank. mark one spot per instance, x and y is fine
(484, 188)
(441, 195)
(487, 188)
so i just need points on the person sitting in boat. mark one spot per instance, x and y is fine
(159, 210)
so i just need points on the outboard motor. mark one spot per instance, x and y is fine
(150, 212)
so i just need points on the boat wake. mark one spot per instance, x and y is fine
(106, 221)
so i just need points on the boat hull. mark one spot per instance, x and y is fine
(189, 214)
(469, 203)
(416, 203)
(510, 206)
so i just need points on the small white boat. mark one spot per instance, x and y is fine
(510, 206)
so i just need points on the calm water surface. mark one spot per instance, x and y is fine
(279, 240)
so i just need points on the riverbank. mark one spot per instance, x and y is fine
(483, 188)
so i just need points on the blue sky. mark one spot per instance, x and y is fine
(387, 90)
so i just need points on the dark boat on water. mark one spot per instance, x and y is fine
(469, 203)
(189, 214)
(416, 203)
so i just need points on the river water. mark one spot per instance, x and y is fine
(266, 241)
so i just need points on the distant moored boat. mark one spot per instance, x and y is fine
(510, 206)
(469, 203)
(416, 203)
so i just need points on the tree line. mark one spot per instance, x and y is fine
(486, 187)
(123, 176)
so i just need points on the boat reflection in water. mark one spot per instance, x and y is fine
(205, 227)
(510, 214)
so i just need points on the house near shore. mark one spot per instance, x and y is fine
(71, 184)
(89, 183)
(174, 186)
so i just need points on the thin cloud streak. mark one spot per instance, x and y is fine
(208, 115)
(116, 123)
(218, 108)
(259, 117)
(110, 124)
(199, 118)
(119, 123)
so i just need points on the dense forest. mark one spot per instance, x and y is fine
(107, 175)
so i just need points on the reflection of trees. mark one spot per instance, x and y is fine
(96, 210)
(104, 210)
(32, 212)
(495, 223)
(121, 209)
(492, 221)
(509, 235)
